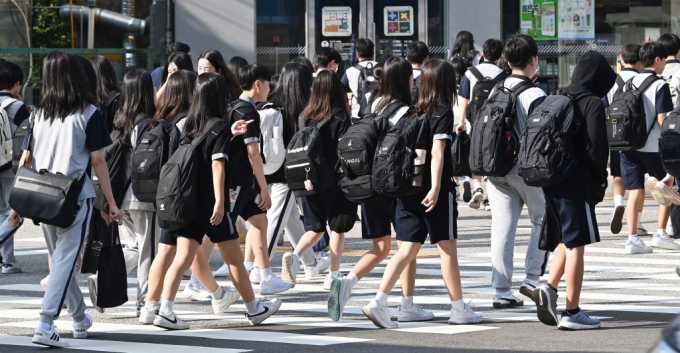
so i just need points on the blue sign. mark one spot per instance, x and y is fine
(392, 15)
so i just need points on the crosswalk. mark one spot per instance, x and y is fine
(613, 283)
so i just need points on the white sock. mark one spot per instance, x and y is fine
(152, 306)
(639, 225)
(248, 265)
(661, 232)
(83, 322)
(477, 185)
(633, 237)
(503, 293)
(407, 302)
(218, 293)
(618, 200)
(353, 280)
(252, 306)
(194, 281)
(267, 274)
(458, 304)
(381, 298)
(335, 274)
(297, 257)
(44, 326)
(166, 306)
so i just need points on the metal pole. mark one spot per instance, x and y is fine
(90, 24)
(81, 28)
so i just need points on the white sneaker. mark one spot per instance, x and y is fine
(11, 268)
(147, 316)
(477, 199)
(80, 329)
(322, 263)
(290, 267)
(275, 285)
(170, 322)
(196, 292)
(43, 282)
(267, 308)
(229, 296)
(465, 316)
(506, 301)
(380, 315)
(255, 276)
(664, 242)
(329, 280)
(415, 313)
(637, 247)
(223, 271)
(486, 204)
(338, 297)
(49, 338)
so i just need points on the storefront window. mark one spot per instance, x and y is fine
(280, 32)
(437, 11)
(337, 26)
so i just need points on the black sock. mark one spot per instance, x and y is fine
(573, 312)
(551, 287)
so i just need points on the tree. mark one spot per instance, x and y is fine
(48, 30)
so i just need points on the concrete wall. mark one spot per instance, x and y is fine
(225, 25)
(481, 17)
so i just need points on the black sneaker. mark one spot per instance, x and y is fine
(545, 298)
(467, 191)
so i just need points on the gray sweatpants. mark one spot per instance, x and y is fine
(64, 244)
(507, 196)
(285, 214)
(139, 237)
(6, 232)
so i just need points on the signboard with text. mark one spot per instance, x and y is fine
(398, 20)
(558, 19)
(336, 21)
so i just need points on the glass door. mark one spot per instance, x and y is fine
(337, 25)
(396, 24)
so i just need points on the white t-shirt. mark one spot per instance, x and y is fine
(672, 75)
(650, 101)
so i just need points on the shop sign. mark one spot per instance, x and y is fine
(577, 19)
(336, 21)
(398, 20)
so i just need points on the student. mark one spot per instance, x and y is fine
(365, 51)
(671, 73)
(417, 54)
(377, 75)
(89, 78)
(378, 216)
(329, 207)
(459, 68)
(646, 160)
(491, 52)
(509, 194)
(177, 61)
(212, 217)
(235, 63)
(212, 61)
(245, 153)
(571, 204)
(433, 210)
(175, 47)
(630, 60)
(304, 61)
(66, 121)
(109, 92)
(327, 59)
(464, 47)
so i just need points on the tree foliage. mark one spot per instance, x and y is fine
(48, 29)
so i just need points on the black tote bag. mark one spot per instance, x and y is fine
(551, 233)
(460, 154)
(92, 246)
(112, 276)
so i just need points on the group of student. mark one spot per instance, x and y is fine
(224, 110)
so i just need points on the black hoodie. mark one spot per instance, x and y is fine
(594, 74)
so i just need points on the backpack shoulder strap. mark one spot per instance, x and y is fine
(206, 131)
(501, 76)
(521, 87)
(619, 81)
(648, 82)
(6, 102)
(391, 108)
(112, 96)
(478, 75)
(241, 104)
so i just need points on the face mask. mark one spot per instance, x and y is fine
(538, 67)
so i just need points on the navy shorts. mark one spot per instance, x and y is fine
(573, 216)
(329, 207)
(201, 226)
(634, 166)
(168, 237)
(377, 218)
(245, 205)
(615, 163)
(413, 223)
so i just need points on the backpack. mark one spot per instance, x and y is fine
(460, 154)
(394, 163)
(481, 90)
(669, 143)
(306, 168)
(112, 102)
(547, 155)
(6, 136)
(415, 91)
(356, 151)
(17, 141)
(627, 128)
(494, 144)
(177, 200)
(366, 82)
(272, 148)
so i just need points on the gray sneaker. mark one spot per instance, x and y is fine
(580, 321)
(546, 304)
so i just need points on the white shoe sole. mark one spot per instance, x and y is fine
(147, 320)
(657, 194)
(465, 321)
(79, 335)
(476, 201)
(375, 320)
(572, 326)
(637, 251)
(663, 245)
(48, 342)
(271, 312)
(286, 267)
(273, 291)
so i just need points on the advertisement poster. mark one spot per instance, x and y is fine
(558, 19)
(538, 19)
(336, 21)
(398, 20)
(577, 19)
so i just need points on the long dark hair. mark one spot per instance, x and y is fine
(106, 79)
(292, 91)
(304, 61)
(464, 46)
(181, 60)
(89, 79)
(437, 86)
(327, 94)
(137, 97)
(63, 93)
(179, 93)
(394, 85)
(215, 58)
(236, 63)
(460, 66)
(209, 102)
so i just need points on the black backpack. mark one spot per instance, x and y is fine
(177, 200)
(494, 145)
(548, 155)
(356, 150)
(394, 162)
(482, 89)
(460, 154)
(112, 102)
(17, 141)
(415, 91)
(367, 82)
(669, 143)
(627, 128)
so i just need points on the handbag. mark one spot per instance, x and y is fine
(551, 233)
(460, 154)
(89, 254)
(112, 275)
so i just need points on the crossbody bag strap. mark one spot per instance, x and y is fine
(475, 72)
(206, 131)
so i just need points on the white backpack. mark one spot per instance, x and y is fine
(5, 135)
(272, 148)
